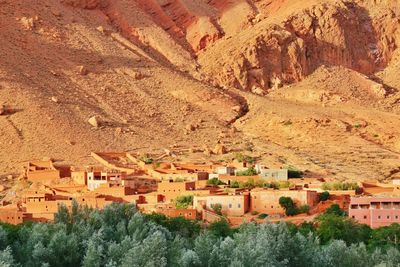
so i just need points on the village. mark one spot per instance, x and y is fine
(238, 191)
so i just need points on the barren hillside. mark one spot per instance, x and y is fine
(313, 84)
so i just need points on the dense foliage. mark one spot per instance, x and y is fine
(244, 158)
(182, 202)
(214, 181)
(120, 236)
(340, 186)
(291, 208)
(324, 196)
(248, 172)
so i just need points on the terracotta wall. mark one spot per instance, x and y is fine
(232, 205)
(267, 201)
(11, 216)
(44, 176)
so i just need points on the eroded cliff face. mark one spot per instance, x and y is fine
(342, 33)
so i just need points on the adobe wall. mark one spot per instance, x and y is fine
(267, 201)
(11, 216)
(232, 205)
(190, 214)
(45, 176)
(231, 178)
(79, 177)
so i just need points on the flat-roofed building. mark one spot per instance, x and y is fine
(267, 200)
(97, 177)
(231, 204)
(42, 171)
(375, 211)
(273, 174)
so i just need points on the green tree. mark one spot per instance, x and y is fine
(288, 204)
(324, 196)
(333, 227)
(95, 251)
(6, 258)
(215, 181)
(335, 210)
(385, 237)
(248, 172)
(220, 228)
(217, 208)
(183, 202)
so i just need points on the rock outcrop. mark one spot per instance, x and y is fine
(345, 33)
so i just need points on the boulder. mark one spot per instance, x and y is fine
(54, 99)
(94, 121)
(82, 70)
(220, 149)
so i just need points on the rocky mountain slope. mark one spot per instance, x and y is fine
(313, 84)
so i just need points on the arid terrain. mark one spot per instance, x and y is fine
(313, 84)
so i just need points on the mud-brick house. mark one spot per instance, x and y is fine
(99, 176)
(267, 200)
(375, 211)
(168, 209)
(12, 214)
(231, 204)
(42, 172)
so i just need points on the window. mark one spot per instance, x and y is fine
(239, 206)
(388, 217)
(352, 217)
(396, 217)
(365, 217)
(230, 205)
(190, 214)
(379, 217)
(272, 207)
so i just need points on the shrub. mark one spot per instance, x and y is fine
(262, 216)
(220, 228)
(340, 186)
(249, 172)
(324, 196)
(244, 158)
(146, 159)
(254, 212)
(182, 202)
(303, 209)
(217, 208)
(293, 172)
(335, 210)
(215, 181)
(290, 207)
(235, 184)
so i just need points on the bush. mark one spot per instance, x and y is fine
(290, 207)
(220, 228)
(303, 209)
(215, 181)
(249, 172)
(335, 210)
(262, 216)
(217, 208)
(244, 158)
(293, 172)
(235, 184)
(324, 196)
(146, 159)
(254, 212)
(182, 202)
(340, 186)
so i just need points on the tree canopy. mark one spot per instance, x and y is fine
(121, 236)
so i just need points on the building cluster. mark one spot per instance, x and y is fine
(211, 191)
